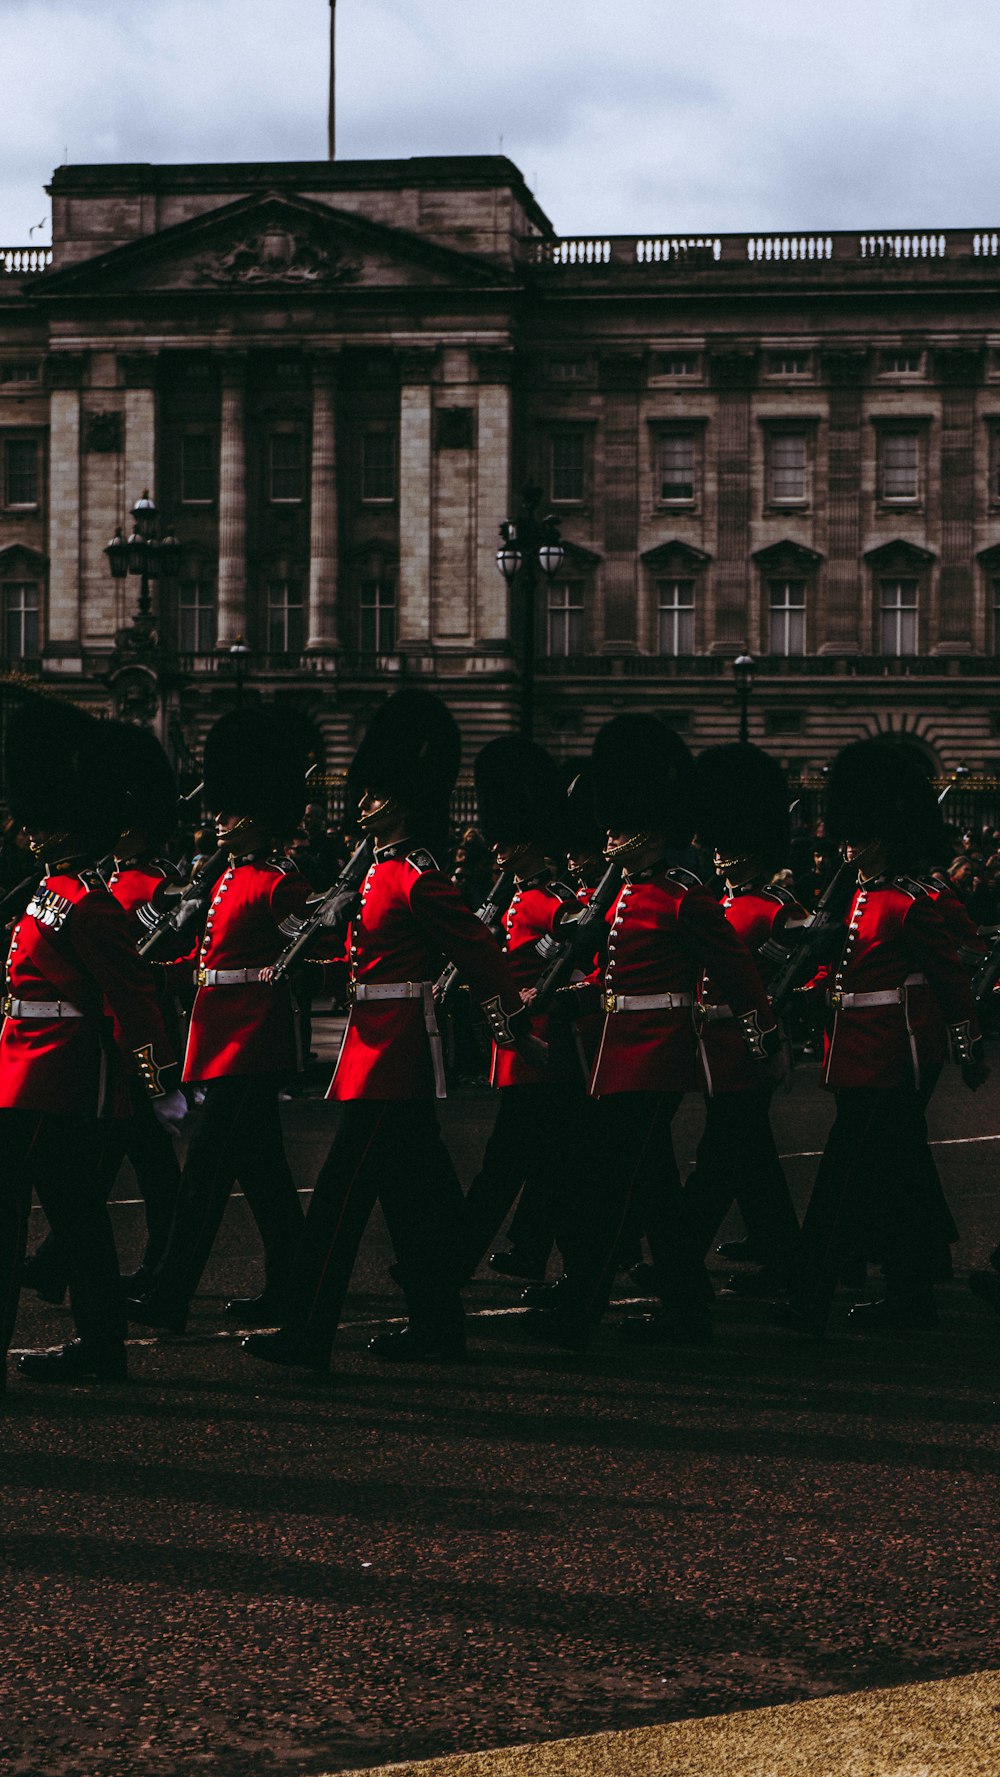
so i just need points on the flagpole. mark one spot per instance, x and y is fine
(331, 132)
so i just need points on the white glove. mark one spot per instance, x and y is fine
(170, 1111)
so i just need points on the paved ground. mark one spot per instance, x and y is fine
(221, 1567)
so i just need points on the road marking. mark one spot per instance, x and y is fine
(947, 1729)
(946, 1141)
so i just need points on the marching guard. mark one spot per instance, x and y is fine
(72, 975)
(664, 931)
(875, 1187)
(242, 1042)
(388, 1145)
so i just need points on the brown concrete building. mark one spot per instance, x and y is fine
(334, 377)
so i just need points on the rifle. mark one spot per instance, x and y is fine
(815, 942)
(491, 913)
(334, 909)
(189, 906)
(575, 943)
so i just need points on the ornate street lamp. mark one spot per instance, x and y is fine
(743, 671)
(145, 553)
(530, 545)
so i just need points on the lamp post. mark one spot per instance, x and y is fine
(743, 670)
(530, 545)
(145, 553)
(238, 654)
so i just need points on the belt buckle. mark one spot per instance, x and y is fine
(7, 1005)
(201, 977)
(352, 993)
(836, 998)
(609, 999)
(699, 1017)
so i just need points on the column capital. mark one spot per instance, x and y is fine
(140, 370)
(324, 367)
(417, 364)
(233, 369)
(64, 370)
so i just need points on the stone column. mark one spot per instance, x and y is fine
(621, 378)
(493, 494)
(323, 532)
(65, 376)
(232, 607)
(413, 623)
(734, 375)
(959, 370)
(839, 618)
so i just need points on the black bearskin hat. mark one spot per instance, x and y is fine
(519, 793)
(584, 836)
(255, 764)
(59, 774)
(878, 790)
(147, 777)
(643, 777)
(410, 751)
(741, 803)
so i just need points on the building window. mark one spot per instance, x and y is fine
(900, 465)
(378, 466)
(377, 616)
(676, 468)
(901, 363)
(675, 631)
(287, 478)
(22, 370)
(568, 370)
(564, 630)
(676, 364)
(566, 468)
(21, 472)
(197, 469)
(285, 617)
(21, 611)
(787, 468)
(196, 617)
(788, 364)
(899, 617)
(787, 602)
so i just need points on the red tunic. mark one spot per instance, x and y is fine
(534, 912)
(248, 1028)
(895, 932)
(411, 917)
(756, 913)
(665, 929)
(141, 883)
(73, 944)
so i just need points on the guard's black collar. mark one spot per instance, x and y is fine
(539, 880)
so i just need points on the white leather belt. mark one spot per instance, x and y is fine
(888, 996)
(388, 990)
(38, 1008)
(646, 1002)
(225, 977)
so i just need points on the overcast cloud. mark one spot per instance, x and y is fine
(623, 116)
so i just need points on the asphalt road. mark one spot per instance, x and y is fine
(221, 1567)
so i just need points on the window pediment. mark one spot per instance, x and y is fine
(990, 558)
(787, 557)
(899, 557)
(21, 558)
(675, 557)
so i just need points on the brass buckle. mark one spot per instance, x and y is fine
(352, 993)
(836, 998)
(201, 977)
(7, 1005)
(609, 999)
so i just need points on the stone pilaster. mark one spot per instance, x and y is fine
(65, 376)
(413, 628)
(493, 494)
(839, 619)
(621, 381)
(232, 605)
(322, 629)
(959, 371)
(734, 375)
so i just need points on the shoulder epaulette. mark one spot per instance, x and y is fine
(684, 878)
(285, 866)
(781, 895)
(563, 892)
(422, 860)
(910, 886)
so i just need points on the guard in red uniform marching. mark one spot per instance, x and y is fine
(520, 801)
(388, 1145)
(874, 1187)
(665, 930)
(139, 879)
(64, 1080)
(741, 798)
(242, 1041)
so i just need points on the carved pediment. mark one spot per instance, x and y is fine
(576, 556)
(899, 557)
(19, 558)
(675, 557)
(267, 242)
(787, 557)
(990, 558)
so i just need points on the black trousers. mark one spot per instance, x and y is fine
(876, 1191)
(238, 1139)
(153, 1153)
(65, 1160)
(537, 1147)
(737, 1161)
(390, 1151)
(633, 1180)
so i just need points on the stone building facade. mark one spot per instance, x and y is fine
(333, 378)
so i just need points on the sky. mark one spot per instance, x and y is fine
(624, 116)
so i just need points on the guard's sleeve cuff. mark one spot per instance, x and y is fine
(506, 1028)
(961, 1042)
(761, 1040)
(158, 1078)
